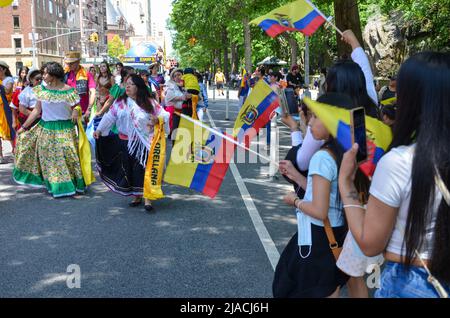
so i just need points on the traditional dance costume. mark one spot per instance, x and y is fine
(6, 115)
(47, 154)
(121, 159)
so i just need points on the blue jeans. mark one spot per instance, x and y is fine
(398, 282)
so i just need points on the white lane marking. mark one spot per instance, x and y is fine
(261, 230)
(284, 187)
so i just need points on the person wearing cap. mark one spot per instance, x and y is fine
(78, 77)
(26, 100)
(388, 91)
(175, 98)
(6, 114)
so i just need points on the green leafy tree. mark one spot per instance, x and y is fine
(116, 47)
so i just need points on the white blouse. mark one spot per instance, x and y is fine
(27, 98)
(56, 104)
(119, 114)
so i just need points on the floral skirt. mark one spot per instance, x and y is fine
(47, 156)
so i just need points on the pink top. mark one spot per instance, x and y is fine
(84, 98)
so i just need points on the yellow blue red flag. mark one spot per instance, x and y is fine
(337, 122)
(244, 83)
(200, 158)
(256, 112)
(299, 15)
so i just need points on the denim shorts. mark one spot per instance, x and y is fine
(398, 282)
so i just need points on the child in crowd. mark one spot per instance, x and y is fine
(191, 86)
(388, 114)
(307, 266)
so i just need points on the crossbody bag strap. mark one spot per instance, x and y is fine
(334, 246)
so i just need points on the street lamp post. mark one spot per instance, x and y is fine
(33, 30)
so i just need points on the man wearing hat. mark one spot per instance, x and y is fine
(79, 78)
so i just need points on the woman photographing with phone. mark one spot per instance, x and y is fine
(407, 215)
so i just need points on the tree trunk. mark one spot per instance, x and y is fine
(233, 58)
(347, 17)
(247, 45)
(294, 50)
(225, 53)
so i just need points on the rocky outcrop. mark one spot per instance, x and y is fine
(385, 42)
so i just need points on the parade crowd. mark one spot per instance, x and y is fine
(348, 222)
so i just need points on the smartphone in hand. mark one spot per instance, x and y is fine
(358, 132)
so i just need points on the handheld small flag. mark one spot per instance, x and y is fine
(337, 122)
(199, 158)
(299, 15)
(256, 112)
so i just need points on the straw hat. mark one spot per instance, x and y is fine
(72, 56)
(3, 63)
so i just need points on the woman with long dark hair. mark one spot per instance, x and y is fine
(407, 215)
(105, 81)
(122, 158)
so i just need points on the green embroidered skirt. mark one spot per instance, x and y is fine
(47, 156)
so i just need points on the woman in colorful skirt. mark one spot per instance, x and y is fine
(47, 154)
(6, 114)
(122, 158)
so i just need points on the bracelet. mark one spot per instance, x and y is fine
(354, 206)
(295, 200)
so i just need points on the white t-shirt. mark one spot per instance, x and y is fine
(391, 184)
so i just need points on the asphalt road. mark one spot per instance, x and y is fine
(191, 247)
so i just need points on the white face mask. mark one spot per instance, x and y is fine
(304, 233)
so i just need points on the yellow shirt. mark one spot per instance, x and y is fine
(220, 77)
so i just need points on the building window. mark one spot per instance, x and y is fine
(50, 6)
(16, 22)
(17, 43)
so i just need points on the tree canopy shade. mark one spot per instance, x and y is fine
(223, 37)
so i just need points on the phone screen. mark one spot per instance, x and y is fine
(359, 131)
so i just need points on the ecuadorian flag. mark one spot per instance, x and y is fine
(199, 158)
(337, 122)
(256, 112)
(244, 84)
(299, 15)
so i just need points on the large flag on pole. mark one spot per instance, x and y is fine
(199, 158)
(299, 15)
(256, 112)
(337, 122)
